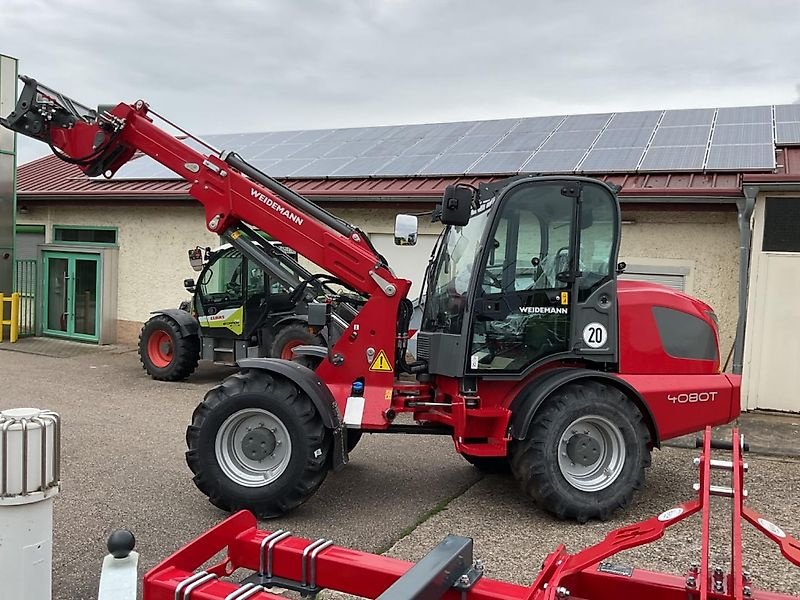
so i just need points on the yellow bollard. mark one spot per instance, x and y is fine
(14, 330)
(13, 321)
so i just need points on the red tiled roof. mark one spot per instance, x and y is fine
(50, 178)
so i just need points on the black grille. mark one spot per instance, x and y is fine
(423, 345)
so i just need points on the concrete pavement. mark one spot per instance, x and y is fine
(123, 466)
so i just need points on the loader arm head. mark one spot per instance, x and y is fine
(46, 115)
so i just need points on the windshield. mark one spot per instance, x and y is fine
(449, 280)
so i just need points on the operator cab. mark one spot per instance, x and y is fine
(527, 276)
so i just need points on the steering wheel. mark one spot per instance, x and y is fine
(492, 280)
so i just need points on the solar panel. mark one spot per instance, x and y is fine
(405, 165)
(287, 166)
(362, 167)
(265, 164)
(678, 158)
(449, 164)
(500, 163)
(695, 135)
(315, 150)
(752, 156)
(579, 122)
(624, 138)
(351, 149)
(521, 141)
(554, 161)
(431, 145)
(406, 132)
(312, 136)
(474, 143)
(744, 133)
(281, 151)
(538, 124)
(608, 142)
(389, 147)
(259, 152)
(571, 140)
(744, 114)
(498, 127)
(787, 133)
(637, 120)
(451, 129)
(787, 112)
(322, 167)
(691, 116)
(611, 160)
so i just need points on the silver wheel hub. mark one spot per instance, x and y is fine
(253, 447)
(591, 453)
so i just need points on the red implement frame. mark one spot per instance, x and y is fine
(449, 572)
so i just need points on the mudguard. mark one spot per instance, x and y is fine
(186, 322)
(308, 381)
(531, 397)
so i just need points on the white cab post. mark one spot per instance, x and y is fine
(30, 456)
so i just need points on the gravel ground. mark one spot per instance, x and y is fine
(124, 466)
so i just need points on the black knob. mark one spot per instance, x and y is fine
(120, 543)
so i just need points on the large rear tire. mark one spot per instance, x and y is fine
(165, 352)
(257, 442)
(585, 454)
(291, 336)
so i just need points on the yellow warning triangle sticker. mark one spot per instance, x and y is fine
(381, 363)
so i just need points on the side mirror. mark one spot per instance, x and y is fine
(189, 285)
(196, 258)
(405, 230)
(621, 266)
(456, 205)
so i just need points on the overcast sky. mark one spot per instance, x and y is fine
(219, 66)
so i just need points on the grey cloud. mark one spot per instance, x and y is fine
(248, 65)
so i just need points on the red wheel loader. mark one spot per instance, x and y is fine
(530, 353)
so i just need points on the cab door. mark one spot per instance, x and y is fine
(537, 289)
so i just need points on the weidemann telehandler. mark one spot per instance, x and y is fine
(530, 352)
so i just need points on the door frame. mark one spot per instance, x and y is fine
(71, 258)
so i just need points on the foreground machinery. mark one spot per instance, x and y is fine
(530, 352)
(257, 561)
(252, 305)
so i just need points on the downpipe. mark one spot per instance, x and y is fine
(745, 207)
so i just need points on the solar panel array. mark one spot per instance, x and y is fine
(692, 140)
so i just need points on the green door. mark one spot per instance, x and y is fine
(71, 295)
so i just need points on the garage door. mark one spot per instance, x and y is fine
(406, 261)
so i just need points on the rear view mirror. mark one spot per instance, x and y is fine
(190, 285)
(405, 230)
(456, 205)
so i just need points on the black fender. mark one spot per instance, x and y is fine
(186, 322)
(315, 351)
(293, 318)
(533, 395)
(308, 381)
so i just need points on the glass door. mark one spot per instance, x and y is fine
(72, 284)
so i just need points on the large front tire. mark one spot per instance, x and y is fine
(165, 352)
(257, 442)
(585, 453)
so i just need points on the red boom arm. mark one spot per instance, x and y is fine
(231, 191)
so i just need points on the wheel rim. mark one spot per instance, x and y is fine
(253, 447)
(591, 453)
(286, 351)
(160, 349)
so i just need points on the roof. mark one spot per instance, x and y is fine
(699, 153)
